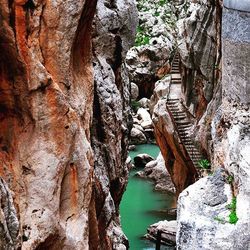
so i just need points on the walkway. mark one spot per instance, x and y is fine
(179, 114)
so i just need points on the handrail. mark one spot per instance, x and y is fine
(189, 157)
(171, 66)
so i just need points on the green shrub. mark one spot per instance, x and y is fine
(204, 163)
(233, 218)
(232, 207)
(230, 179)
(135, 105)
(162, 2)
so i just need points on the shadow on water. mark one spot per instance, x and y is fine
(141, 206)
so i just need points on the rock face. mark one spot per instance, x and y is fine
(8, 220)
(236, 53)
(200, 52)
(148, 61)
(181, 171)
(115, 25)
(167, 229)
(199, 40)
(46, 107)
(202, 212)
(50, 194)
(203, 216)
(156, 170)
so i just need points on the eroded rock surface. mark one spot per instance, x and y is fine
(46, 108)
(156, 170)
(58, 195)
(203, 215)
(148, 60)
(181, 171)
(115, 25)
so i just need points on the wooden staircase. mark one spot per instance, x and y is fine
(179, 115)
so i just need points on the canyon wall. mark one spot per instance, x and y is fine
(199, 45)
(206, 219)
(50, 178)
(115, 25)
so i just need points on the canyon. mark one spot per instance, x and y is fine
(82, 82)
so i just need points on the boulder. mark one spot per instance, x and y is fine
(168, 232)
(145, 118)
(203, 216)
(134, 91)
(143, 114)
(139, 127)
(144, 102)
(157, 171)
(131, 147)
(141, 160)
(137, 136)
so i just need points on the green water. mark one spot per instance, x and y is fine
(141, 206)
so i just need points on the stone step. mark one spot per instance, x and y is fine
(179, 117)
(182, 122)
(177, 112)
(175, 109)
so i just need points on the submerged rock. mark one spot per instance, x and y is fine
(157, 171)
(141, 160)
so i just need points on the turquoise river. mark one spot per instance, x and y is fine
(141, 206)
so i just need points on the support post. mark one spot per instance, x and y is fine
(158, 240)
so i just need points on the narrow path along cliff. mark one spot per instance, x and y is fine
(125, 124)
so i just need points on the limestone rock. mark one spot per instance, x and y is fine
(148, 61)
(145, 118)
(60, 199)
(141, 160)
(236, 44)
(144, 102)
(182, 172)
(137, 136)
(46, 107)
(157, 171)
(168, 231)
(203, 216)
(134, 91)
(200, 53)
(113, 35)
(9, 223)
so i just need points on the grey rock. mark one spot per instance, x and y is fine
(236, 51)
(243, 5)
(114, 31)
(141, 160)
(144, 102)
(137, 136)
(199, 206)
(134, 91)
(9, 222)
(157, 171)
(168, 231)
